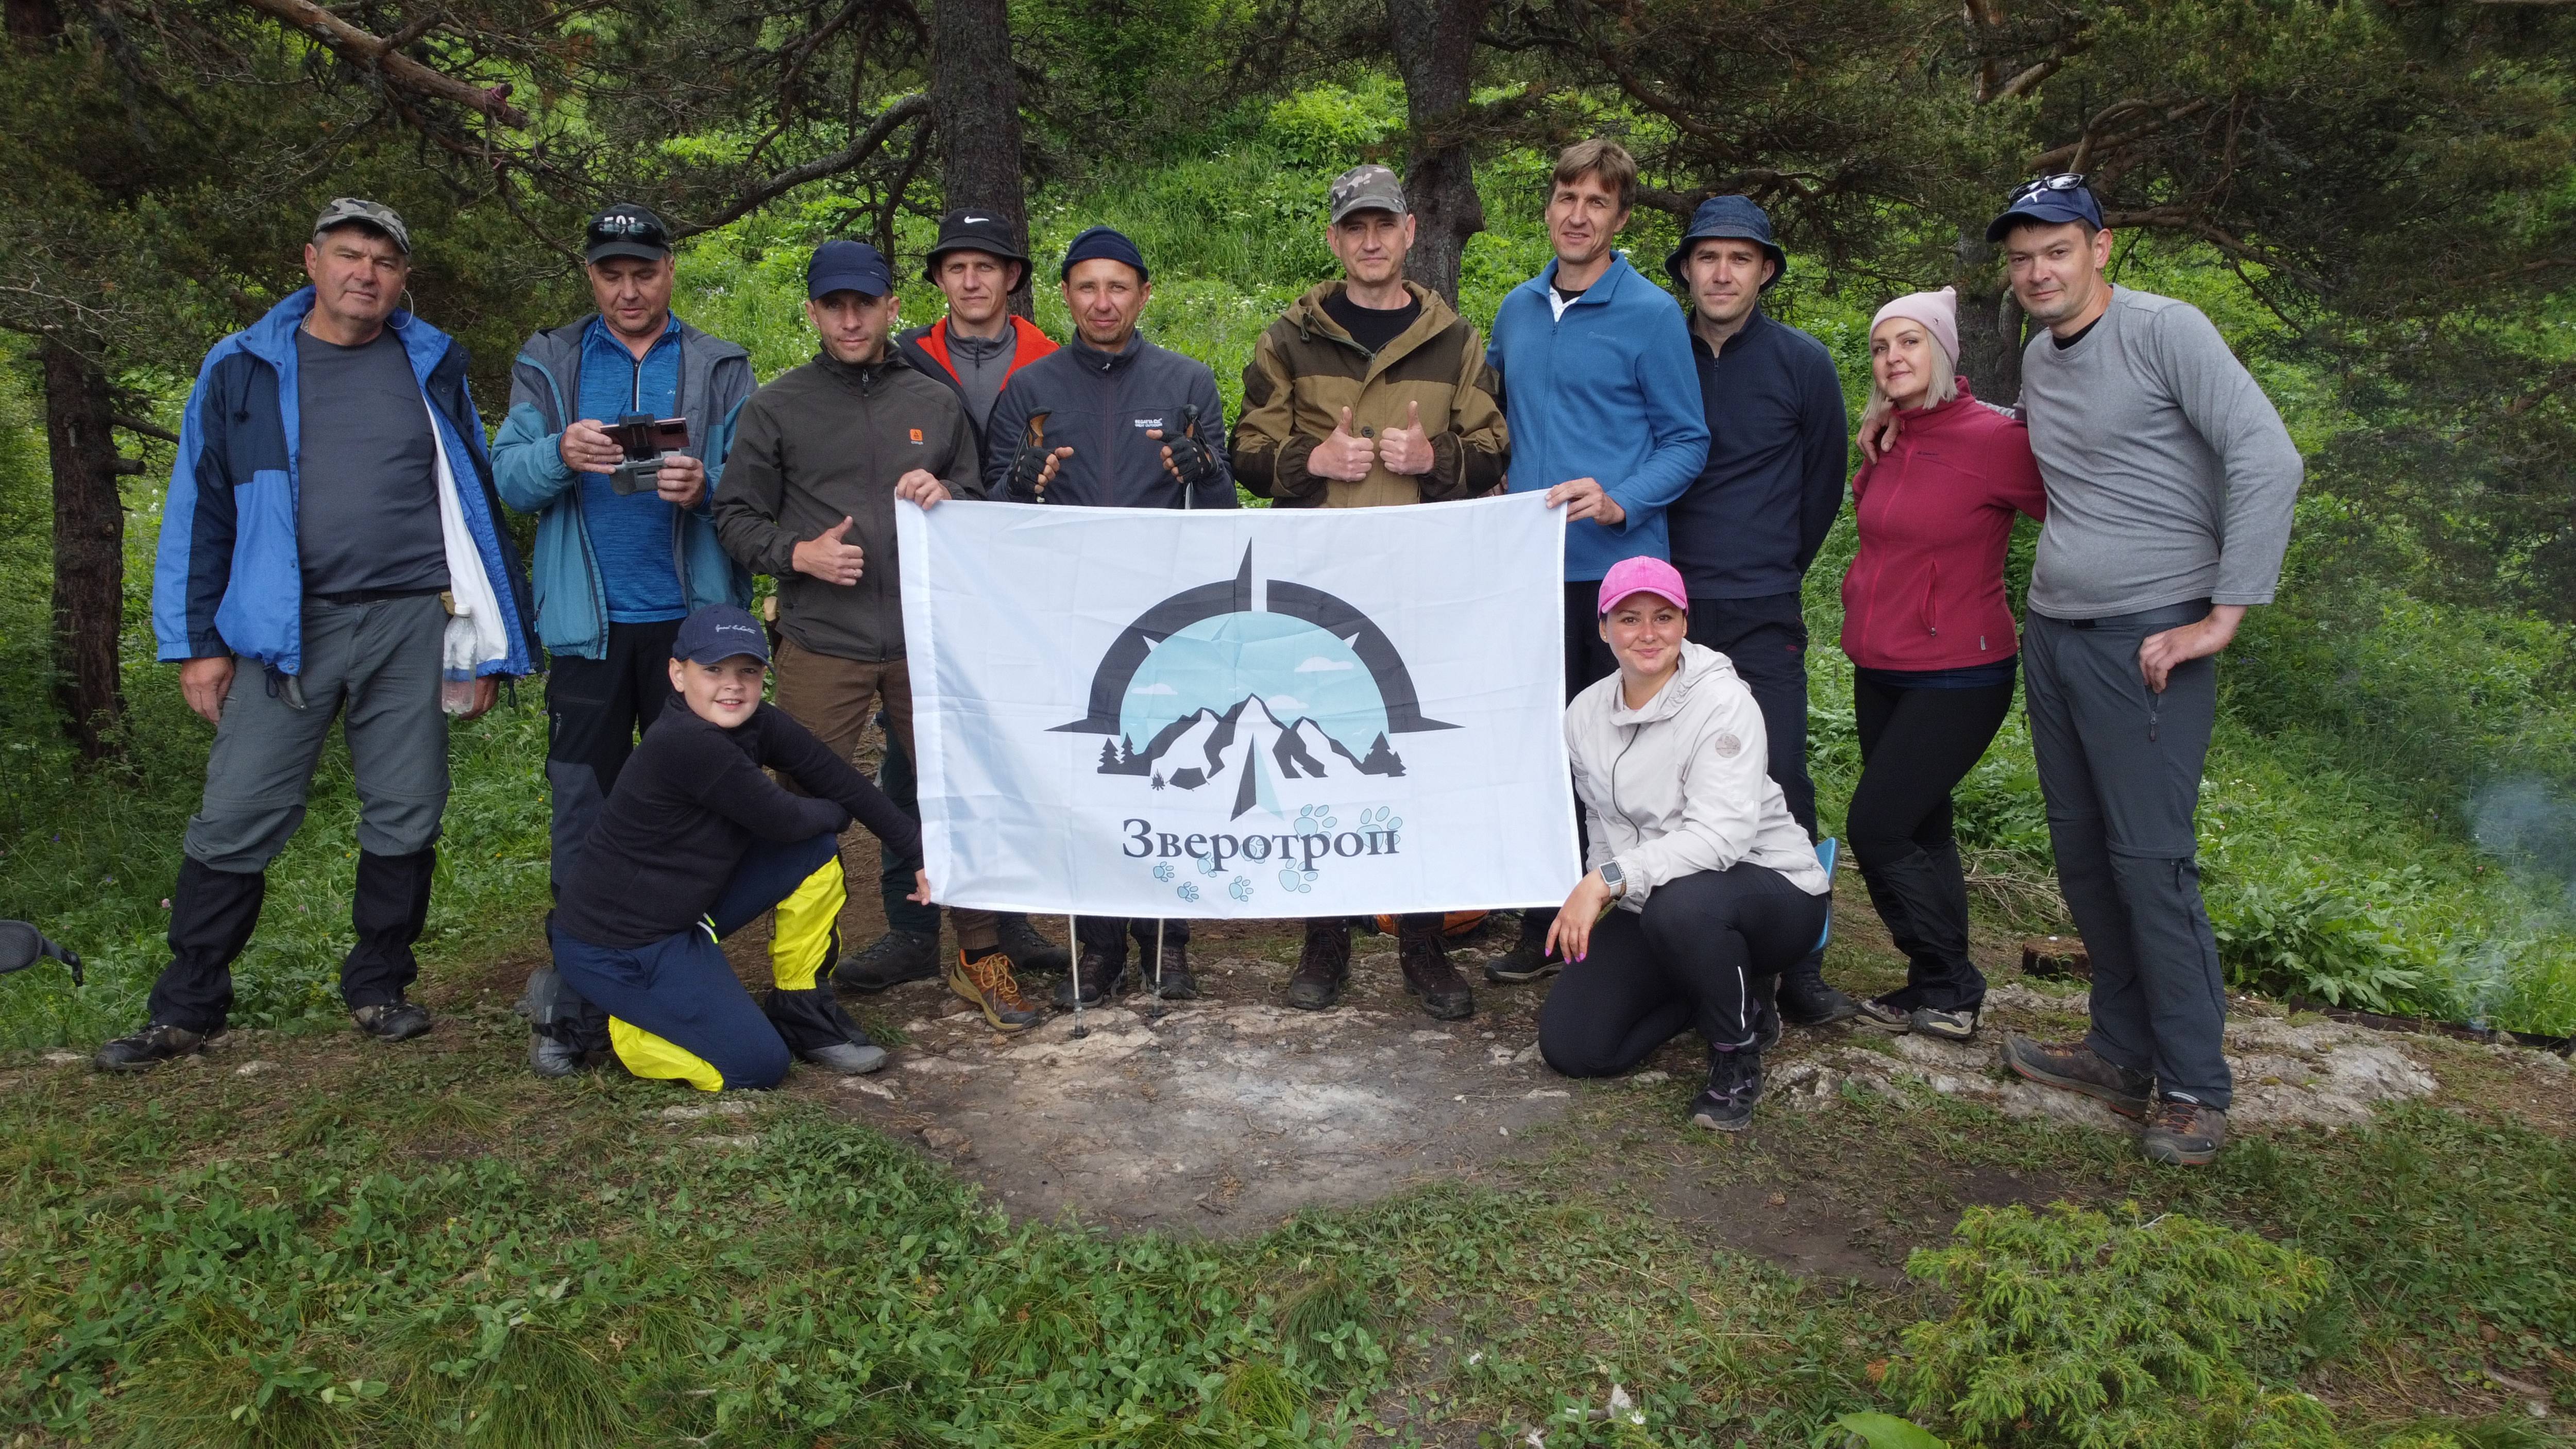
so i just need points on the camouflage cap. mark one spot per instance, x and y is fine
(1366, 188)
(351, 210)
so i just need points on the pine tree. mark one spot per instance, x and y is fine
(1108, 758)
(1382, 761)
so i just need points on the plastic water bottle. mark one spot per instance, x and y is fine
(456, 691)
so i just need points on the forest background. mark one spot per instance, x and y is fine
(2375, 201)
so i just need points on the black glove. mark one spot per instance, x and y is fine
(1030, 461)
(1195, 461)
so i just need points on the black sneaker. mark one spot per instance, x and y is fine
(1528, 960)
(1028, 950)
(2074, 1067)
(150, 1047)
(1806, 1000)
(1323, 966)
(393, 1020)
(1100, 973)
(2183, 1133)
(1429, 976)
(889, 961)
(1734, 1085)
(1174, 982)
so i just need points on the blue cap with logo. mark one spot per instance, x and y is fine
(2049, 201)
(848, 266)
(720, 631)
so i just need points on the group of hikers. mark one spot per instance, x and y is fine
(333, 545)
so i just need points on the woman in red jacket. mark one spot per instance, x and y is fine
(1932, 644)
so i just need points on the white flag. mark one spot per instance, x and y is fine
(1240, 713)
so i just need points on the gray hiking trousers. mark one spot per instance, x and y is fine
(376, 664)
(2120, 766)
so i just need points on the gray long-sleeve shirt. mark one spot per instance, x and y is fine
(2170, 477)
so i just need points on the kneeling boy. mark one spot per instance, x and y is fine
(694, 843)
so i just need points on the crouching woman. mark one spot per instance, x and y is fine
(696, 842)
(1702, 885)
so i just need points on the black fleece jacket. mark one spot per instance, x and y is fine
(1778, 440)
(687, 807)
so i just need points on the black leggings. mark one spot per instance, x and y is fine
(1690, 958)
(1916, 745)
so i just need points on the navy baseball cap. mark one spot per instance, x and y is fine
(720, 631)
(2050, 201)
(848, 266)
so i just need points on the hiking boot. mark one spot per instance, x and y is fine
(988, 985)
(554, 1059)
(1883, 1014)
(1323, 967)
(1806, 1000)
(1175, 983)
(1734, 1085)
(1957, 1025)
(889, 961)
(150, 1047)
(2074, 1067)
(1766, 1022)
(1029, 951)
(1527, 960)
(393, 1020)
(854, 1058)
(1429, 975)
(2182, 1132)
(1100, 969)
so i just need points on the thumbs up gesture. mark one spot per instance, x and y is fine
(1342, 455)
(829, 557)
(1406, 449)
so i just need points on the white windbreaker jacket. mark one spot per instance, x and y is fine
(1682, 785)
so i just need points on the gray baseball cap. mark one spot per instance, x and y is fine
(1367, 188)
(351, 210)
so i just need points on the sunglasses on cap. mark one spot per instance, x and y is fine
(642, 229)
(2062, 181)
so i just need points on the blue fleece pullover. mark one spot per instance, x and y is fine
(1608, 391)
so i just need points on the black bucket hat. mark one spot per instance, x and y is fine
(971, 230)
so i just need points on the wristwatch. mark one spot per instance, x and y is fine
(1615, 878)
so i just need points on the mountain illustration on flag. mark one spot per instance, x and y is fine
(1249, 745)
(1206, 688)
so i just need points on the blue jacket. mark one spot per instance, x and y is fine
(1778, 440)
(229, 579)
(527, 461)
(1608, 392)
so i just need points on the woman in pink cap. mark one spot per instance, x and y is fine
(1701, 883)
(1931, 643)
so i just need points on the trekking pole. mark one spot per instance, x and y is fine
(1158, 969)
(1079, 1030)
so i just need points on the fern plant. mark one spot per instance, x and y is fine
(2076, 1329)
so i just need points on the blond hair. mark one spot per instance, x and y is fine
(1944, 375)
(1604, 158)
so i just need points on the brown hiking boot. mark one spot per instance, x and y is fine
(2073, 1066)
(1428, 974)
(2184, 1133)
(1323, 968)
(987, 984)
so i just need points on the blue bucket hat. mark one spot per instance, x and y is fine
(1728, 216)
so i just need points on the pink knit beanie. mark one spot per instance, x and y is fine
(1937, 311)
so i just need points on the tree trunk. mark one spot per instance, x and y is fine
(89, 550)
(975, 102)
(1990, 322)
(1435, 49)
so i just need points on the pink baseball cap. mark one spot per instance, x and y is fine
(1643, 575)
